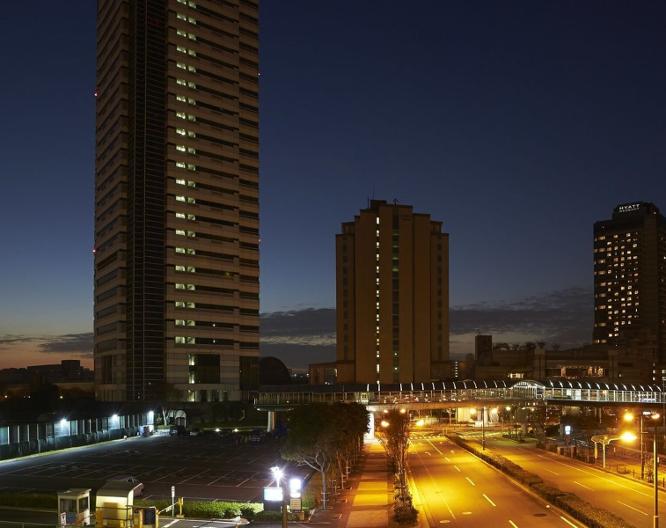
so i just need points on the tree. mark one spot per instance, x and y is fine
(394, 434)
(321, 435)
(350, 423)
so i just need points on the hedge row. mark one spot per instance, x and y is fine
(209, 509)
(47, 501)
(573, 505)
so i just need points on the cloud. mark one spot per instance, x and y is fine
(69, 343)
(11, 339)
(22, 350)
(565, 317)
(308, 322)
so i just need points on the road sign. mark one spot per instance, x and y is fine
(173, 491)
(295, 505)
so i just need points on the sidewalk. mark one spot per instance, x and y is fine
(370, 500)
(631, 469)
(367, 503)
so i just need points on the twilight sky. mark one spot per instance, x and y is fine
(516, 123)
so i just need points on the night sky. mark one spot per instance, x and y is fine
(517, 124)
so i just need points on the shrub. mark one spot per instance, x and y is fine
(550, 493)
(248, 511)
(230, 513)
(405, 514)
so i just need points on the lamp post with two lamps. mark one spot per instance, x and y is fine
(605, 440)
(629, 417)
(277, 475)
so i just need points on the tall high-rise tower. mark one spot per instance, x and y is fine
(392, 296)
(630, 281)
(176, 198)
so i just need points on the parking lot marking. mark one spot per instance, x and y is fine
(193, 476)
(241, 483)
(214, 481)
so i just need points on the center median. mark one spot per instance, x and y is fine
(573, 505)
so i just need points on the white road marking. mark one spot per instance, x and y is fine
(457, 468)
(447, 459)
(631, 507)
(428, 453)
(470, 513)
(551, 471)
(582, 485)
(470, 481)
(598, 474)
(568, 521)
(513, 524)
(488, 499)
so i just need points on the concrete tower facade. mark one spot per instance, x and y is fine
(392, 270)
(176, 198)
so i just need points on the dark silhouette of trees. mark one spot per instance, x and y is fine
(327, 438)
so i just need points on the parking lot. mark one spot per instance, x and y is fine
(200, 467)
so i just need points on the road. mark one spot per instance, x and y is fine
(455, 488)
(630, 500)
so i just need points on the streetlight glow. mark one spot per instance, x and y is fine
(403, 410)
(472, 411)
(384, 423)
(420, 422)
(277, 473)
(628, 437)
(628, 417)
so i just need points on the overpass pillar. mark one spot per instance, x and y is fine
(270, 423)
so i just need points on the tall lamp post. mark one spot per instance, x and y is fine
(277, 475)
(655, 459)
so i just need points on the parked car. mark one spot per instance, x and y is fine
(133, 481)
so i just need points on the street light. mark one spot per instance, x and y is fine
(384, 423)
(629, 418)
(277, 475)
(605, 440)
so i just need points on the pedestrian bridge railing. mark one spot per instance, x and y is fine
(456, 393)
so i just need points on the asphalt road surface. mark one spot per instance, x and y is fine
(630, 500)
(202, 467)
(454, 488)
